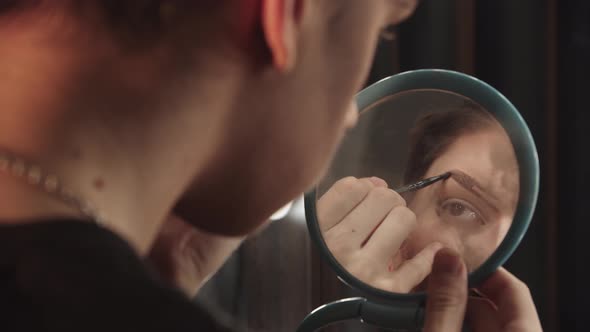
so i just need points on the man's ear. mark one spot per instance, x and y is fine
(280, 20)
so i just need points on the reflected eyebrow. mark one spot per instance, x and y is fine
(474, 187)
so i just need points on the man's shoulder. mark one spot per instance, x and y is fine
(65, 275)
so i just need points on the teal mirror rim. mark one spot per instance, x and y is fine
(524, 146)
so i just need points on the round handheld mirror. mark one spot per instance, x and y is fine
(438, 159)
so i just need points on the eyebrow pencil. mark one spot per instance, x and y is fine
(423, 183)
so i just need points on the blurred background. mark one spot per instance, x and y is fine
(537, 53)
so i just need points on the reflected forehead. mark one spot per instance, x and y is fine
(488, 157)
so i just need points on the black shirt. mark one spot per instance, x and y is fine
(76, 276)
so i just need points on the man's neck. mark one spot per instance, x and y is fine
(132, 174)
(21, 202)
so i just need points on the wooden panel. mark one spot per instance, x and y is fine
(465, 36)
(574, 164)
(276, 278)
(428, 38)
(550, 161)
(266, 285)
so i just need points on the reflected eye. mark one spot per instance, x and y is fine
(461, 211)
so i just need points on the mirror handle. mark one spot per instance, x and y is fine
(399, 316)
(333, 312)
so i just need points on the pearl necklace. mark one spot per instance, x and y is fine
(34, 175)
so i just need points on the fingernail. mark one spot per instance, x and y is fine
(447, 261)
(378, 182)
(436, 246)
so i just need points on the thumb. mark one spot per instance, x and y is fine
(447, 293)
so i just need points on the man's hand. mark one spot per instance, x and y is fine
(187, 257)
(509, 306)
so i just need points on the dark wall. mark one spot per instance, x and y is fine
(574, 164)
(537, 53)
(512, 53)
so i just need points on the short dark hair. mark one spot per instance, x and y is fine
(133, 22)
(434, 132)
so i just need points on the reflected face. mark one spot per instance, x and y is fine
(471, 211)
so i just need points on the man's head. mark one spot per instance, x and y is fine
(248, 97)
(299, 100)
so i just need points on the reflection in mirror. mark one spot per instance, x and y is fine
(387, 237)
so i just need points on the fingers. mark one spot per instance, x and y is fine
(482, 316)
(342, 198)
(390, 234)
(377, 182)
(447, 293)
(365, 218)
(516, 309)
(412, 272)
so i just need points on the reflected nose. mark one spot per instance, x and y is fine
(430, 232)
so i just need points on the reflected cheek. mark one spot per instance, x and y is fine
(504, 225)
(475, 256)
(421, 239)
(430, 229)
(478, 247)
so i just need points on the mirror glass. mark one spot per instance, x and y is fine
(423, 169)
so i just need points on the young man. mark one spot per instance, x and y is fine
(131, 128)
